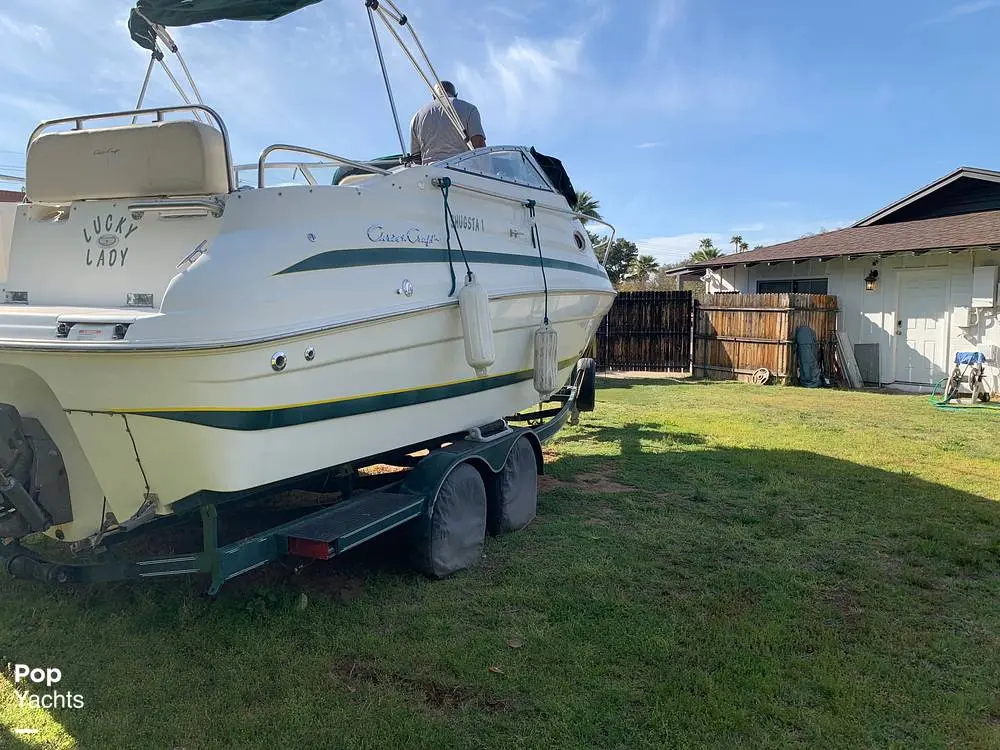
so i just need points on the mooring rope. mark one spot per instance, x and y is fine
(536, 241)
(449, 222)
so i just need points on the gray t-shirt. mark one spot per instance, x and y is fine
(433, 135)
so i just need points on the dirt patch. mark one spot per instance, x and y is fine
(591, 483)
(376, 469)
(548, 483)
(433, 695)
(601, 484)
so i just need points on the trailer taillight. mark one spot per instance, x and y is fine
(309, 548)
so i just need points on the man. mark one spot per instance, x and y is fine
(432, 134)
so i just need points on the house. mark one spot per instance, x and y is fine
(916, 282)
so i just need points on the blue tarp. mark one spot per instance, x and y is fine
(970, 358)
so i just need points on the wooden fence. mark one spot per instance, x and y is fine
(648, 330)
(735, 334)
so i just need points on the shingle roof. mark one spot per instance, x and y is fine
(11, 196)
(944, 233)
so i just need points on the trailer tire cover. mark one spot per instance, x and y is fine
(586, 399)
(457, 526)
(517, 498)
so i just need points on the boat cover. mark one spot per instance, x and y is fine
(807, 349)
(189, 12)
(555, 171)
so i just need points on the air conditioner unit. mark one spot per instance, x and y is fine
(984, 286)
(963, 317)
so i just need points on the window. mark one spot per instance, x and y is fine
(788, 286)
(509, 166)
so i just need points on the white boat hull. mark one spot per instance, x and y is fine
(133, 425)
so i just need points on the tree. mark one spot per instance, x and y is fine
(706, 251)
(622, 256)
(736, 241)
(588, 205)
(743, 247)
(645, 266)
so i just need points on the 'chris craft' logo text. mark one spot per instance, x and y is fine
(412, 236)
(35, 688)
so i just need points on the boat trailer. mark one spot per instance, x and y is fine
(482, 481)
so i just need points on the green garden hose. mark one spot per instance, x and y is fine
(960, 407)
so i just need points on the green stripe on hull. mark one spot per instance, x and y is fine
(395, 255)
(290, 416)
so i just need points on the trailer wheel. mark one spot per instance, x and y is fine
(587, 397)
(453, 539)
(516, 502)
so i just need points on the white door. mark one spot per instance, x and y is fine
(920, 326)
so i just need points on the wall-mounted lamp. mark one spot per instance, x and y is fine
(871, 281)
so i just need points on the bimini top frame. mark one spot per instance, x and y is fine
(148, 19)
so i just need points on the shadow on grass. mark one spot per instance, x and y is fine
(629, 437)
(656, 379)
(843, 522)
(13, 741)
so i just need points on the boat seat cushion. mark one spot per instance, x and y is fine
(169, 158)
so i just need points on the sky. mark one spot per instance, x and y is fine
(684, 118)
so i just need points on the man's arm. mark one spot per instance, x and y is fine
(414, 141)
(474, 129)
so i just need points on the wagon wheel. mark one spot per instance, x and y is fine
(954, 382)
(761, 376)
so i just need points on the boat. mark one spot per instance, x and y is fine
(169, 337)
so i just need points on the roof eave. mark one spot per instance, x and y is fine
(974, 172)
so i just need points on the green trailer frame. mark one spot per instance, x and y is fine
(332, 530)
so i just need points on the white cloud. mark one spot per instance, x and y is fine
(33, 34)
(665, 14)
(965, 9)
(523, 81)
(672, 249)
(650, 144)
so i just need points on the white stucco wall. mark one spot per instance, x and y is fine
(870, 317)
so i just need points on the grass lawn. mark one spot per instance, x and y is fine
(713, 565)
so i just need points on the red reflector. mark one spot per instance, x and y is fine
(309, 548)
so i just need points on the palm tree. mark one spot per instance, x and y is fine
(644, 267)
(736, 241)
(588, 205)
(743, 247)
(706, 251)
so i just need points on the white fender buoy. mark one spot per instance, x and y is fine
(477, 326)
(546, 362)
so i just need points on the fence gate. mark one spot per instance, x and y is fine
(735, 334)
(646, 331)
